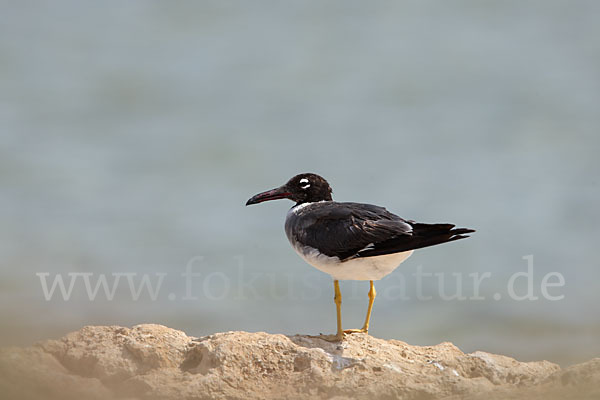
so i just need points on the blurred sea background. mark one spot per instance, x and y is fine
(132, 133)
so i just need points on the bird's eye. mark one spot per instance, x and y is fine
(304, 183)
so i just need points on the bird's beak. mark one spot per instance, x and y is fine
(274, 194)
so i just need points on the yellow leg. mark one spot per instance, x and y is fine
(338, 308)
(372, 294)
(337, 298)
(365, 328)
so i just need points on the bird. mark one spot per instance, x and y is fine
(350, 241)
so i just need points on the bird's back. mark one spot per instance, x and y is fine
(351, 230)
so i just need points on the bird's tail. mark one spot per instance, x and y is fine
(426, 235)
(423, 235)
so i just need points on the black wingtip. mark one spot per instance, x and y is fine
(457, 237)
(461, 231)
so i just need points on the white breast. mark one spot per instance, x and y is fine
(357, 269)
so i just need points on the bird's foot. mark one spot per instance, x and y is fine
(331, 338)
(362, 330)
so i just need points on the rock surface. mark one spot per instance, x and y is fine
(156, 362)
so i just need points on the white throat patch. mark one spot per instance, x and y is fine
(299, 207)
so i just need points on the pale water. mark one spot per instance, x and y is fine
(132, 133)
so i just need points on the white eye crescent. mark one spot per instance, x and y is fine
(304, 183)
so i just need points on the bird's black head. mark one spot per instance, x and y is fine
(303, 188)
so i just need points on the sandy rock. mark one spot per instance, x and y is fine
(156, 362)
(115, 354)
(34, 374)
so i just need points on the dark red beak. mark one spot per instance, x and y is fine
(279, 193)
